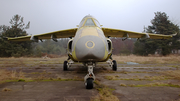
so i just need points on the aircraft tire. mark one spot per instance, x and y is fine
(89, 84)
(114, 65)
(65, 66)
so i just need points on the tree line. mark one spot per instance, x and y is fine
(160, 25)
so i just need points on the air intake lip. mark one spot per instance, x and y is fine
(89, 44)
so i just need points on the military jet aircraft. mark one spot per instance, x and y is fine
(89, 43)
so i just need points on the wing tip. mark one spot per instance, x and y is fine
(174, 34)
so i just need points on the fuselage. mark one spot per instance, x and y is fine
(89, 43)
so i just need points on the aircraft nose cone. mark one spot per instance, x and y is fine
(90, 48)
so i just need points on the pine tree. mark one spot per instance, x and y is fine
(160, 25)
(16, 29)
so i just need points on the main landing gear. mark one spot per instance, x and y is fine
(67, 64)
(112, 64)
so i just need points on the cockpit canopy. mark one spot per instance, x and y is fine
(89, 21)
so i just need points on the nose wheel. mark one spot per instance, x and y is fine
(89, 83)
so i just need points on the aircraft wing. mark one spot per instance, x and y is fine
(129, 34)
(52, 35)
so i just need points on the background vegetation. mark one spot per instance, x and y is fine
(17, 28)
(160, 25)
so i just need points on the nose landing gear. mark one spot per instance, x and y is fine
(90, 77)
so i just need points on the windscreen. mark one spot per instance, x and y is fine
(89, 22)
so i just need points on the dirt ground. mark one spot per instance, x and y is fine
(138, 82)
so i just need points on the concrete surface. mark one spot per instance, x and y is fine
(75, 90)
(46, 91)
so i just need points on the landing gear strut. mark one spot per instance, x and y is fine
(90, 77)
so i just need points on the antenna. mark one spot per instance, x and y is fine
(144, 29)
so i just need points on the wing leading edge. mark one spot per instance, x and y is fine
(108, 32)
(52, 35)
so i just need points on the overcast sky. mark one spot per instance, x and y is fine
(52, 15)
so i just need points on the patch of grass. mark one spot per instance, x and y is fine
(161, 77)
(111, 77)
(137, 78)
(140, 72)
(42, 79)
(58, 79)
(122, 84)
(171, 59)
(132, 85)
(157, 84)
(177, 67)
(13, 76)
(38, 67)
(21, 80)
(30, 61)
(107, 71)
(6, 89)
(4, 81)
(34, 73)
(7, 76)
(174, 74)
(52, 67)
(105, 93)
(125, 72)
(44, 72)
